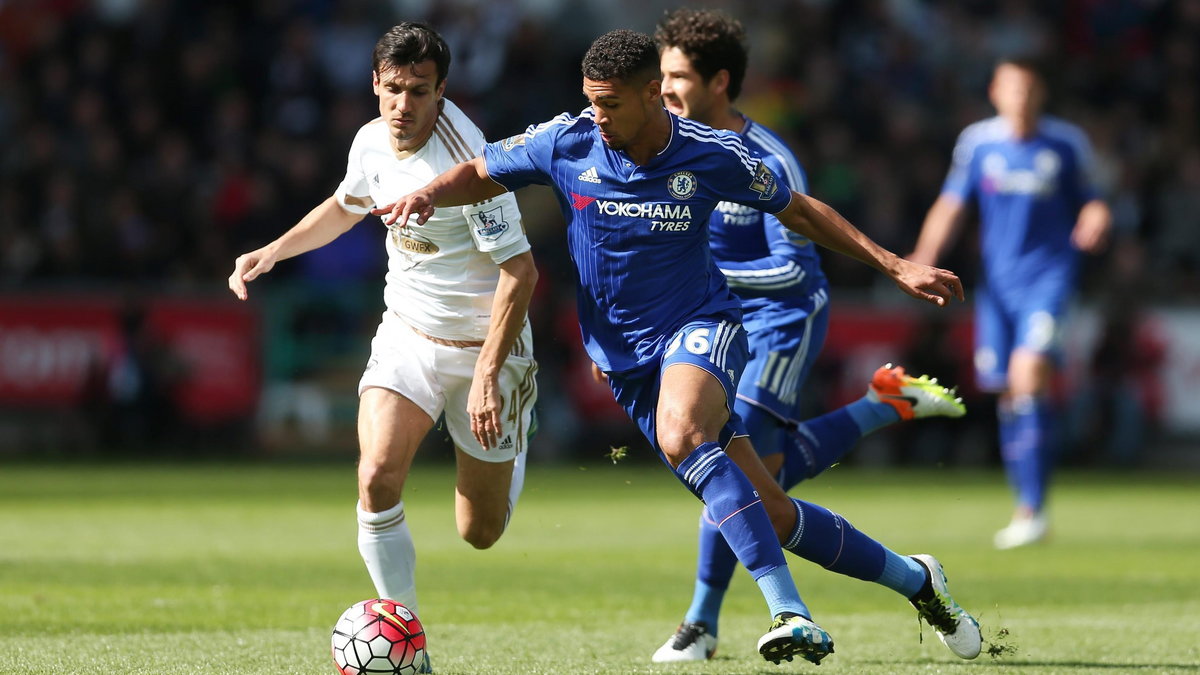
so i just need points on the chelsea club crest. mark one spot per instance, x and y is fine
(682, 184)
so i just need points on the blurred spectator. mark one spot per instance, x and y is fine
(871, 92)
(132, 399)
(1177, 203)
(1115, 405)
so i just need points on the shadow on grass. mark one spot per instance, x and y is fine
(1054, 666)
(1124, 667)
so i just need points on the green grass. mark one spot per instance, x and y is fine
(243, 569)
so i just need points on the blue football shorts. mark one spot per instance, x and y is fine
(1028, 318)
(781, 359)
(716, 346)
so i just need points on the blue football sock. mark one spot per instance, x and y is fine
(780, 593)
(739, 514)
(1006, 430)
(714, 568)
(828, 539)
(706, 606)
(819, 443)
(902, 574)
(1025, 433)
(771, 435)
(871, 415)
(799, 459)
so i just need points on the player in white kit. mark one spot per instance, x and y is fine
(454, 338)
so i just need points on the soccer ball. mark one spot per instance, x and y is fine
(379, 636)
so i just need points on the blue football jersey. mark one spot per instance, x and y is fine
(1029, 191)
(776, 272)
(638, 235)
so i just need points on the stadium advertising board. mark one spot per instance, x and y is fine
(63, 351)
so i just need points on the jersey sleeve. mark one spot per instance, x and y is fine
(751, 181)
(496, 227)
(782, 270)
(958, 181)
(523, 159)
(353, 193)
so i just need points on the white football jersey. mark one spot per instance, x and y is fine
(442, 275)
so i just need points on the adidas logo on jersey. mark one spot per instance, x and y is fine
(590, 176)
(507, 443)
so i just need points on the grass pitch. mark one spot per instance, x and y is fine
(244, 568)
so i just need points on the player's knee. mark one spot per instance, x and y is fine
(1030, 373)
(677, 444)
(481, 533)
(678, 434)
(379, 485)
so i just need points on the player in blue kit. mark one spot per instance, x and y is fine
(1031, 176)
(636, 186)
(777, 274)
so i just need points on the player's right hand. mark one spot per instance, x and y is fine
(928, 283)
(418, 204)
(246, 268)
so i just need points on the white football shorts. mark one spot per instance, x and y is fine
(438, 379)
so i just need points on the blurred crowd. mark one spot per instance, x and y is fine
(153, 140)
(146, 143)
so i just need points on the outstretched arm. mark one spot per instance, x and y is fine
(826, 227)
(518, 276)
(322, 225)
(465, 183)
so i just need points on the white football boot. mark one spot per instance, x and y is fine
(957, 630)
(1022, 531)
(691, 642)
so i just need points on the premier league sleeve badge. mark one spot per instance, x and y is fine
(489, 225)
(764, 182)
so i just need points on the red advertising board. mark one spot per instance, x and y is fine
(50, 347)
(58, 350)
(218, 345)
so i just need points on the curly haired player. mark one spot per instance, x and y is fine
(637, 185)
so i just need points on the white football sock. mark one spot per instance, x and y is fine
(514, 488)
(386, 545)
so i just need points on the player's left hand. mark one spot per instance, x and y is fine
(484, 406)
(417, 204)
(932, 284)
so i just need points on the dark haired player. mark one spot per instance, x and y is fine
(636, 185)
(454, 338)
(777, 274)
